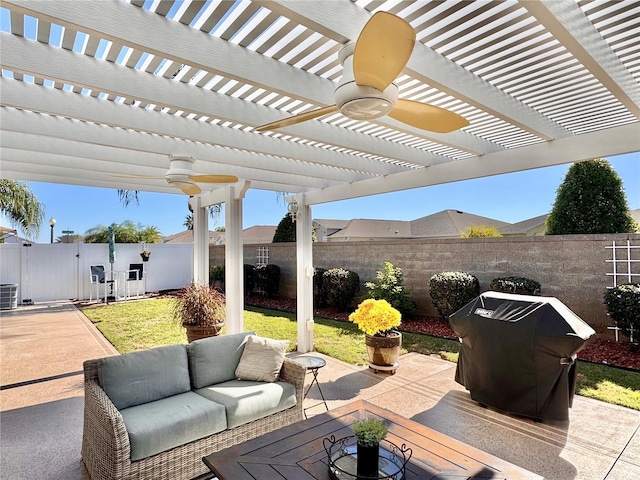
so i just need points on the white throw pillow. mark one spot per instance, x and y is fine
(262, 359)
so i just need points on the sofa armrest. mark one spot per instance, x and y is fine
(294, 373)
(105, 441)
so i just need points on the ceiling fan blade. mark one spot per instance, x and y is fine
(192, 190)
(382, 50)
(427, 117)
(302, 117)
(214, 178)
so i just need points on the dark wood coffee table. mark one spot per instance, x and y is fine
(296, 452)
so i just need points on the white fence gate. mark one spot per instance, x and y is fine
(60, 271)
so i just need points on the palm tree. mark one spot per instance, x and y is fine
(126, 232)
(188, 222)
(214, 213)
(127, 197)
(21, 207)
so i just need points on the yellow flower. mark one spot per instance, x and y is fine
(375, 317)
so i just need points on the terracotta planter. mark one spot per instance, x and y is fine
(195, 332)
(383, 352)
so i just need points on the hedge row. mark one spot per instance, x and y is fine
(449, 291)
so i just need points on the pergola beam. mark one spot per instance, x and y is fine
(614, 141)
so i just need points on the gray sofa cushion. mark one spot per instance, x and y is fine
(158, 426)
(246, 401)
(145, 376)
(214, 360)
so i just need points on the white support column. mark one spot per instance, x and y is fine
(304, 275)
(234, 257)
(200, 242)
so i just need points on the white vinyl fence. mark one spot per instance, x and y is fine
(61, 271)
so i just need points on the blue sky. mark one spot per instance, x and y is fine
(510, 198)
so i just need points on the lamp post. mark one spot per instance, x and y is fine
(52, 223)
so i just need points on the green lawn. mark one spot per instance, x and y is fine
(145, 324)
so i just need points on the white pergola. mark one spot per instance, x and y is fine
(91, 90)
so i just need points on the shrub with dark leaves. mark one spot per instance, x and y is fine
(519, 285)
(249, 278)
(319, 290)
(268, 279)
(450, 291)
(623, 305)
(341, 286)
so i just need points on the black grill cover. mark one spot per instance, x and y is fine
(518, 353)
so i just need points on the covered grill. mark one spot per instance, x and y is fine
(518, 353)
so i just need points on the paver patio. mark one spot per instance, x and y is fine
(42, 348)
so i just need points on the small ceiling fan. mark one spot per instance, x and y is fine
(181, 175)
(366, 90)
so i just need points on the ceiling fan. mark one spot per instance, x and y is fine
(181, 175)
(366, 90)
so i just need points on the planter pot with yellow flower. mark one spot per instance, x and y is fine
(383, 352)
(377, 319)
(201, 310)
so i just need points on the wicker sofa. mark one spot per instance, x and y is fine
(144, 420)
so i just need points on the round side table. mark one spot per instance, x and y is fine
(313, 364)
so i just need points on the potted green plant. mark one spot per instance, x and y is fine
(145, 255)
(378, 319)
(201, 310)
(369, 433)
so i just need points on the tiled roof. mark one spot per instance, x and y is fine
(525, 226)
(258, 234)
(450, 223)
(374, 229)
(186, 236)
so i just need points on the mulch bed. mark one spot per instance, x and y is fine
(599, 350)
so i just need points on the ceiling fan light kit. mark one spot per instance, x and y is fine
(179, 174)
(361, 102)
(180, 166)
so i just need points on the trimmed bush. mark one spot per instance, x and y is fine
(341, 286)
(450, 291)
(249, 278)
(389, 286)
(268, 279)
(623, 305)
(519, 285)
(591, 199)
(319, 290)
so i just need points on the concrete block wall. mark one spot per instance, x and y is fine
(572, 268)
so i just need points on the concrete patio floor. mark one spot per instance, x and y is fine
(42, 348)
